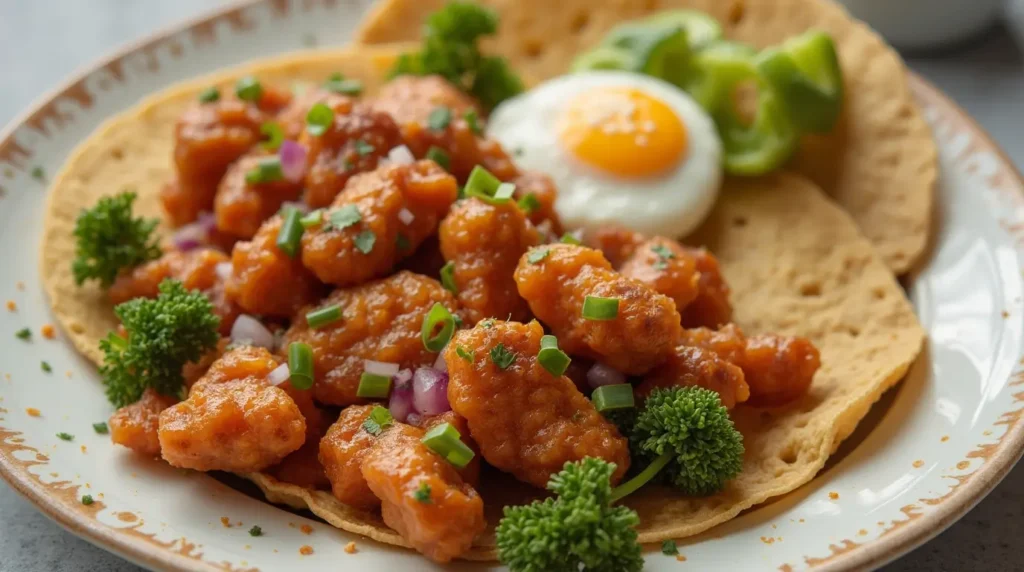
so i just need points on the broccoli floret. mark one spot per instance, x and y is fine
(577, 530)
(164, 334)
(450, 50)
(108, 239)
(686, 435)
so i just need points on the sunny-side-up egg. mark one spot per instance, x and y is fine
(623, 148)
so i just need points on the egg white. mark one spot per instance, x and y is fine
(672, 204)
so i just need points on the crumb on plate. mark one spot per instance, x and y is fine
(32, 411)
(350, 548)
(305, 550)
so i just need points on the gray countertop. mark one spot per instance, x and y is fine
(43, 41)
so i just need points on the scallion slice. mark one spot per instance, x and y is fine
(568, 238)
(473, 122)
(300, 365)
(465, 354)
(338, 84)
(488, 188)
(373, 386)
(597, 308)
(267, 170)
(438, 319)
(363, 148)
(274, 134)
(439, 118)
(529, 204)
(551, 358)
(290, 235)
(445, 440)
(364, 241)
(249, 89)
(439, 156)
(319, 119)
(613, 397)
(209, 95)
(312, 219)
(323, 317)
(448, 277)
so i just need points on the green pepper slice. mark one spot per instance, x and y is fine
(604, 58)
(711, 73)
(701, 29)
(660, 51)
(805, 71)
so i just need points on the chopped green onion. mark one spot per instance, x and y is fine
(209, 95)
(439, 118)
(465, 354)
(537, 254)
(445, 440)
(46, 367)
(274, 134)
(290, 235)
(551, 358)
(255, 531)
(501, 356)
(473, 122)
(448, 277)
(373, 386)
(669, 548)
(439, 156)
(319, 119)
(65, 436)
(437, 317)
(24, 334)
(267, 170)
(38, 173)
(422, 494)
(569, 238)
(529, 204)
(663, 252)
(300, 365)
(338, 84)
(101, 428)
(365, 240)
(363, 148)
(487, 324)
(402, 243)
(612, 397)
(324, 316)
(312, 219)
(378, 420)
(249, 89)
(87, 500)
(486, 187)
(344, 217)
(548, 341)
(597, 308)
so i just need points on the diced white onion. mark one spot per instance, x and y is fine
(401, 155)
(223, 270)
(280, 375)
(406, 216)
(381, 368)
(440, 364)
(249, 330)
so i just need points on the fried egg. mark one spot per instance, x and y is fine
(623, 148)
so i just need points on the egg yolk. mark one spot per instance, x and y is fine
(623, 131)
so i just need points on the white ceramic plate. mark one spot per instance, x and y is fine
(927, 453)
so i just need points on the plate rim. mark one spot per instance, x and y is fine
(869, 555)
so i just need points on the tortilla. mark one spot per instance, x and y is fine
(880, 162)
(796, 262)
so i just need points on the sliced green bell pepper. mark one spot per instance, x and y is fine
(660, 51)
(604, 58)
(805, 71)
(701, 29)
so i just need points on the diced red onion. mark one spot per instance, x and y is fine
(223, 270)
(600, 374)
(195, 234)
(280, 375)
(430, 391)
(381, 368)
(400, 402)
(406, 216)
(440, 364)
(401, 155)
(249, 330)
(293, 160)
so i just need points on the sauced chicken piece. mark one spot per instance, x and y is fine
(542, 188)
(303, 467)
(207, 138)
(378, 219)
(293, 117)
(484, 243)
(233, 419)
(664, 266)
(196, 269)
(616, 243)
(471, 472)
(240, 206)
(192, 371)
(266, 281)
(342, 451)
(711, 307)
(422, 495)
(426, 260)
(701, 367)
(432, 113)
(135, 426)
(640, 336)
(381, 321)
(354, 143)
(778, 369)
(526, 421)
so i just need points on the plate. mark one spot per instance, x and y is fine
(929, 451)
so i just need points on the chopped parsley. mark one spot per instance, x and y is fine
(209, 95)
(65, 436)
(101, 428)
(537, 254)
(24, 334)
(45, 366)
(664, 255)
(109, 239)
(249, 89)
(365, 241)
(338, 84)
(529, 204)
(255, 531)
(439, 118)
(378, 420)
(422, 494)
(501, 356)
(465, 354)
(344, 217)
(669, 548)
(473, 122)
(38, 173)
(487, 324)
(363, 148)
(87, 500)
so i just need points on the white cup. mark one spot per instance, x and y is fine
(926, 24)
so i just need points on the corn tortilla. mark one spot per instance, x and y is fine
(879, 163)
(796, 262)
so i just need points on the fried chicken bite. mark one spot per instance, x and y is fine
(525, 420)
(266, 281)
(541, 207)
(422, 495)
(378, 219)
(701, 367)
(303, 467)
(433, 113)
(135, 426)
(342, 451)
(233, 419)
(664, 266)
(381, 321)
(196, 269)
(484, 242)
(355, 142)
(292, 118)
(711, 307)
(241, 206)
(556, 280)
